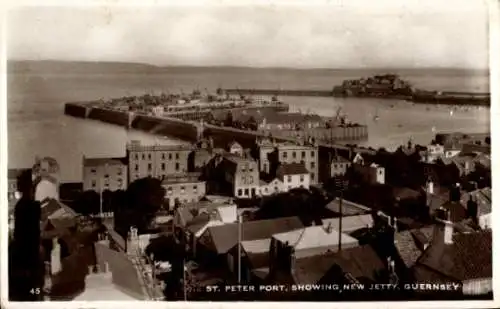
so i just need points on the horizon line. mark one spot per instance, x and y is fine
(157, 66)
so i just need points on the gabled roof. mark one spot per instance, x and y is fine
(361, 262)
(469, 257)
(410, 244)
(292, 169)
(224, 237)
(313, 237)
(457, 211)
(234, 144)
(482, 197)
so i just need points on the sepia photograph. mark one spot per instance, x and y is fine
(330, 152)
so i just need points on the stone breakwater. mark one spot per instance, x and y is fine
(190, 130)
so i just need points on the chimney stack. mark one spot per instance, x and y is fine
(472, 209)
(448, 229)
(55, 257)
(430, 186)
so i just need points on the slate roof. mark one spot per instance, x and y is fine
(469, 257)
(292, 169)
(482, 197)
(348, 208)
(410, 243)
(224, 237)
(457, 211)
(361, 262)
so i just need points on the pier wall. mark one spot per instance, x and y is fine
(109, 116)
(188, 130)
(75, 110)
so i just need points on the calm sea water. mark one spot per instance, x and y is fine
(37, 125)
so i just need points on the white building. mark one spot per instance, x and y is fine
(272, 187)
(293, 175)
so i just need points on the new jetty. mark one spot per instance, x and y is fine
(389, 86)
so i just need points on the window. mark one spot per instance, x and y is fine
(312, 153)
(195, 189)
(120, 181)
(119, 173)
(106, 176)
(294, 154)
(334, 165)
(177, 155)
(312, 176)
(136, 168)
(93, 171)
(183, 190)
(149, 156)
(250, 179)
(106, 184)
(170, 156)
(380, 172)
(285, 155)
(303, 154)
(136, 156)
(163, 166)
(94, 183)
(313, 164)
(265, 189)
(276, 189)
(240, 192)
(177, 166)
(143, 156)
(247, 192)
(150, 166)
(169, 190)
(265, 167)
(250, 169)
(289, 178)
(163, 156)
(301, 178)
(253, 192)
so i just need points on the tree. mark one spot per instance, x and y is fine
(143, 198)
(252, 124)
(88, 203)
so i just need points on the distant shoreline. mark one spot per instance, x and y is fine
(14, 65)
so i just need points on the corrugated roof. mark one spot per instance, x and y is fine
(313, 237)
(225, 237)
(469, 257)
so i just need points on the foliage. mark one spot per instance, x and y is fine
(307, 205)
(228, 122)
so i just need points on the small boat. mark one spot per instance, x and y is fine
(451, 112)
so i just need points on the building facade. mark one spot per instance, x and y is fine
(100, 174)
(183, 189)
(372, 174)
(157, 161)
(339, 166)
(293, 175)
(271, 157)
(243, 175)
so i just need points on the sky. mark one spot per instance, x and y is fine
(342, 34)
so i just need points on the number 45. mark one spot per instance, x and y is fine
(35, 291)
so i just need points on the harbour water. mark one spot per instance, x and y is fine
(37, 125)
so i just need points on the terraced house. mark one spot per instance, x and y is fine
(157, 160)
